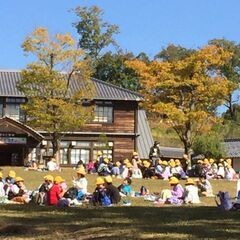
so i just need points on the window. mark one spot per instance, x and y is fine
(80, 154)
(103, 112)
(64, 156)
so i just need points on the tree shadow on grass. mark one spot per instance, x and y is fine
(120, 222)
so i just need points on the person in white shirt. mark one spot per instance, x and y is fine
(52, 165)
(81, 183)
(191, 192)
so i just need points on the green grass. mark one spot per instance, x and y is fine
(142, 220)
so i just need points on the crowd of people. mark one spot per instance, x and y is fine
(54, 190)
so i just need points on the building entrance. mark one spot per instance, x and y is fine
(11, 155)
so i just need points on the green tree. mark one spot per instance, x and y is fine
(173, 53)
(52, 104)
(95, 34)
(231, 69)
(210, 144)
(111, 68)
(185, 91)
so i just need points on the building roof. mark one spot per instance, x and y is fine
(104, 90)
(170, 152)
(145, 139)
(232, 148)
(9, 123)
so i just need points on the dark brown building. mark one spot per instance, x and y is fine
(118, 128)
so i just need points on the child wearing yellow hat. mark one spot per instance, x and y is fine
(103, 169)
(177, 191)
(111, 190)
(115, 171)
(165, 171)
(99, 196)
(80, 183)
(191, 192)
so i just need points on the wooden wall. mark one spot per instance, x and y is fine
(124, 119)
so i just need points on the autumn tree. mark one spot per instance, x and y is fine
(186, 91)
(95, 34)
(53, 105)
(231, 70)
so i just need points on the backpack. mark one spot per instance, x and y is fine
(106, 201)
(71, 193)
(223, 201)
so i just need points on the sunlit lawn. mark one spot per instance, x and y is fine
(142, 220)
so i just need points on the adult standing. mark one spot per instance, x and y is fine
(155, 153)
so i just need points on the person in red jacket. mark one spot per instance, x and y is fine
(54, 193)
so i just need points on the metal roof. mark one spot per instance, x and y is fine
(170, 152)
(104, 90)
(145, 139)
(26, 129)
(232, 148)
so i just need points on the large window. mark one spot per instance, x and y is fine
(103, 112)
(13, 110)
(80, 154)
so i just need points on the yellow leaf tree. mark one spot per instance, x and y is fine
(186, 92)
(54, 105)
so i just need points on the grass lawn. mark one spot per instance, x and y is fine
(140, 221)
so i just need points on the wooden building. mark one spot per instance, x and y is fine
(115, 129)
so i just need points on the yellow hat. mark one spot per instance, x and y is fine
(99, 153)
(200, 161)
(189, 182)
(49, 178)
(108, 179)
(164, 163)
(159, 161)
(146, 164)
(128, 165)
(125, 161)
(58, 179)
(171, 160)
(99, 181)
(106, 160)
(135, 154)
(177, 162)
(139, 161)
(221, 160)
(229, 161)
(1, 174)
(173, 180)
(118, 164)
(205, 161)
(12, 174)
(211, 160)
(81, 171)
(53, 159)
(172, 164)
(19, 179)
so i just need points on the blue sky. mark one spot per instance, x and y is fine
(145, 25)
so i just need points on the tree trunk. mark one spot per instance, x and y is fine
(56, 147)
